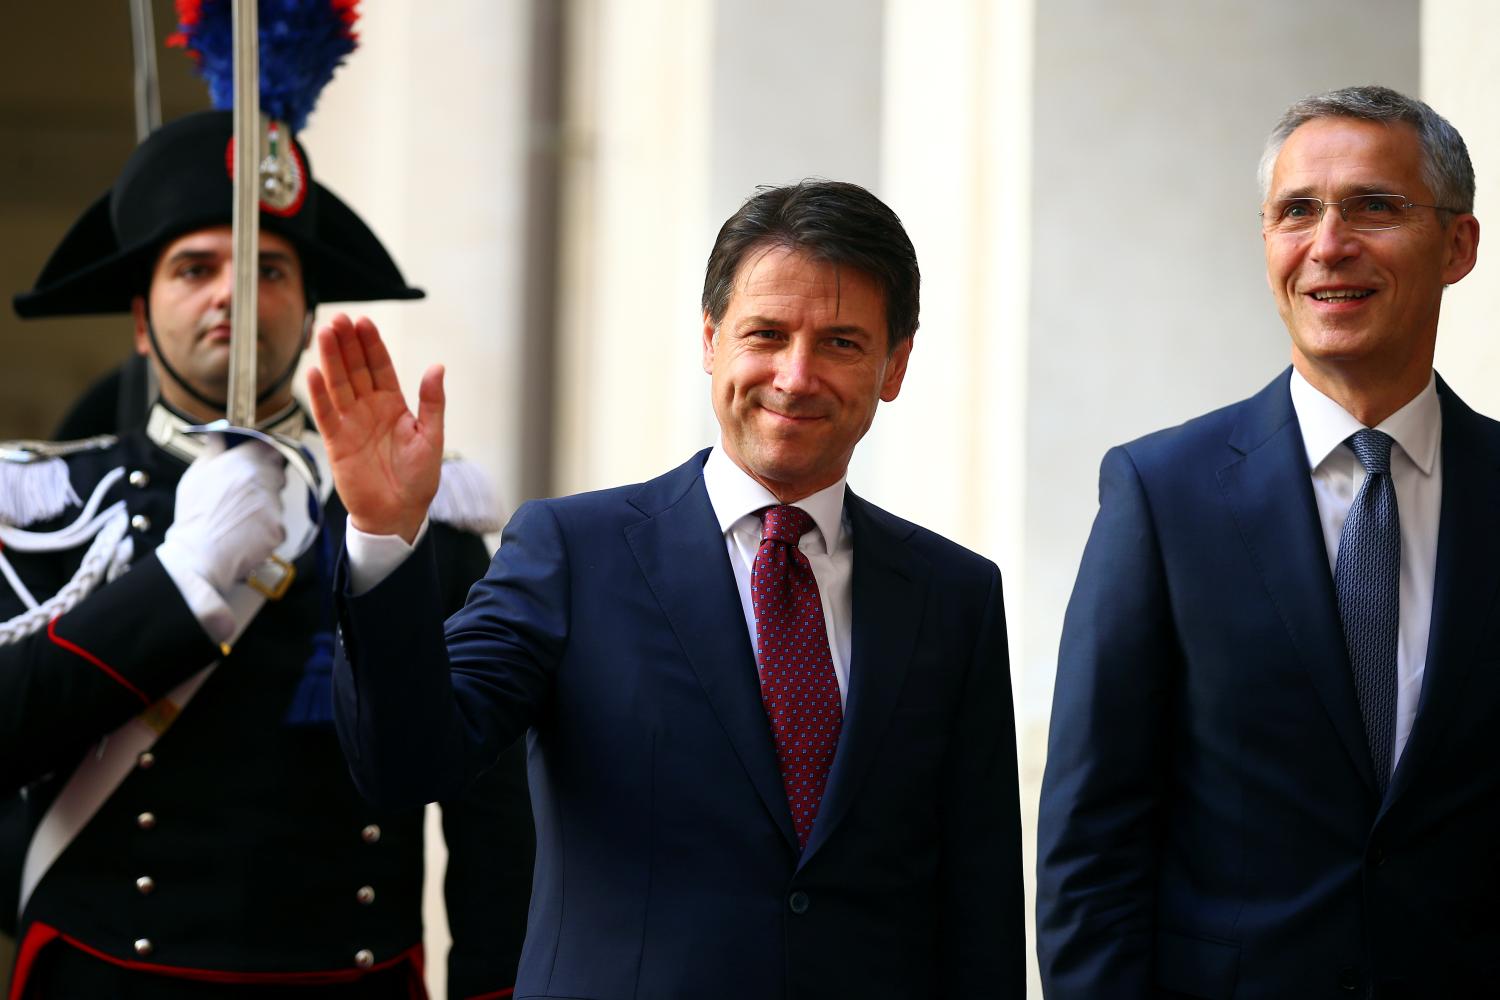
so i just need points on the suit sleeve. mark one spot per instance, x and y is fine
(88, 671)
(983, 899)
(422, 711)
(488, 831)
(1099, 824)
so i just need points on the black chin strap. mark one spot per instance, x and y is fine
(222, 404)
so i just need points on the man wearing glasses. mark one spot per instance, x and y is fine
(1270, 770)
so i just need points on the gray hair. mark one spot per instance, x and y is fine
(1445, 159)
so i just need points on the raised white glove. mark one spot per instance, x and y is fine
(228, 518)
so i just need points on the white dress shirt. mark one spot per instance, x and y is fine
(829, 548)
(372, 558)
(1417, 474)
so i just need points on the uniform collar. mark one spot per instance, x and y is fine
(1416, 427)
(167, 428)
(734, 496)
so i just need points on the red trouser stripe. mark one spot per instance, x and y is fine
(111, 672)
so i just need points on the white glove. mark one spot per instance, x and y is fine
(228, 518)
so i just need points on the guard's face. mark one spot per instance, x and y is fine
(191, 289)
(1349, 297)
(799, 364)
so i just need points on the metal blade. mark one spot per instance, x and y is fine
(248, 129)
(147, 92)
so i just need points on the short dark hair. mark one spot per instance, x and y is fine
(833, 222)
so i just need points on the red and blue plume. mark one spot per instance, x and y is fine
(301, 43)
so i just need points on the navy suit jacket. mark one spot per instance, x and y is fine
(1209, 823)
(609, 629)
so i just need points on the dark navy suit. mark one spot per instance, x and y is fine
(1210, 824)
(609, 628)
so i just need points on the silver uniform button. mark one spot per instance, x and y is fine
(365, 894)
(146, 821)
(144, 947)
(370, 834)
(141, 522)
(364, 958)
(146, 760)
(146, 884)
(139, 478)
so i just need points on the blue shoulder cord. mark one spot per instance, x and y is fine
(312, 702)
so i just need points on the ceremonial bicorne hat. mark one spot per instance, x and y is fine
(181, 179)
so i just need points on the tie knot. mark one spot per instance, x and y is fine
(785, 523)
(1373, 449)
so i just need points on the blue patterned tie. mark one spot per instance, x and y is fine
(1368, 579)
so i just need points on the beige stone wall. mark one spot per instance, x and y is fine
(1460, 78)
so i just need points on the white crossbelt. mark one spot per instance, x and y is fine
(113, 758)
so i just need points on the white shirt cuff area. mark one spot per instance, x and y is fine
(372, 558)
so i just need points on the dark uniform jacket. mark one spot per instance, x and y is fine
(237, 845)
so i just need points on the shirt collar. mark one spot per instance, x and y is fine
(734, 496)
(1416, 427)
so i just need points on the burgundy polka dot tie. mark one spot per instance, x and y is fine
(797, 683)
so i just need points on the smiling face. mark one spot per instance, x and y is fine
(1363, 306)
(191, 289)
(799, 363)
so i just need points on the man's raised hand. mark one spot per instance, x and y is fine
(385, 461)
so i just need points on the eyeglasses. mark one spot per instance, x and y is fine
(1365, 213)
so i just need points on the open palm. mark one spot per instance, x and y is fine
(385, 460)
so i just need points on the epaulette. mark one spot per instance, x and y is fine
(106, 530)
(34, 480)
(464, 499)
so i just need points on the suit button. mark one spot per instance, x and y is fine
(141, 523)
(1349, 979)
(799, 902)
(146, 885)
(365, 894)
(146, 821)
(139, 478)
(1377, 856)
(370, 834)
(146, 760)
(364, 958)
(144, 947)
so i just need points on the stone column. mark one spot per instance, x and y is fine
(1459, 79)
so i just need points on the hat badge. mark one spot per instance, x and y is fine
(283, 175)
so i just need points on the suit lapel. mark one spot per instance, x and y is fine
(889, 590)
(681, 553)
(1269, 489)
(1464, 583)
